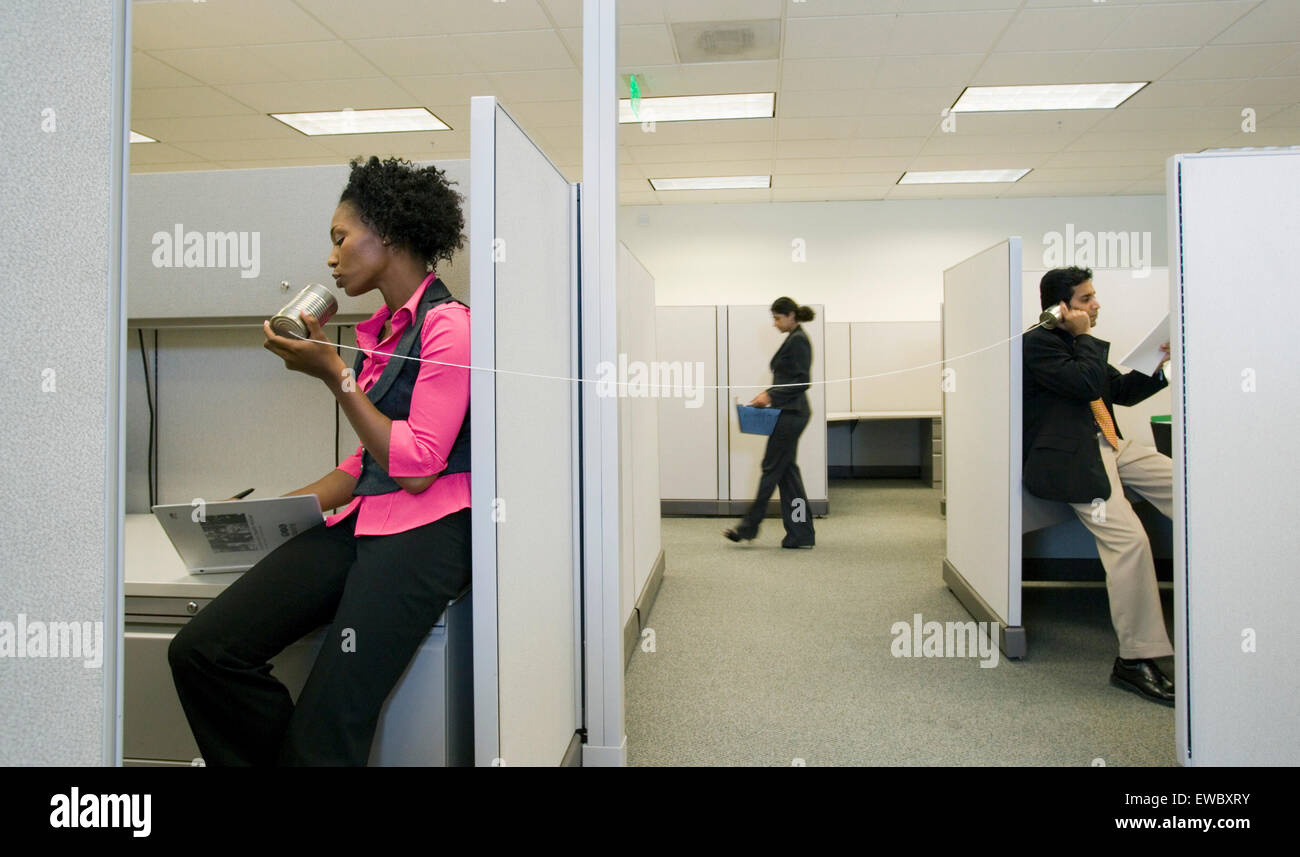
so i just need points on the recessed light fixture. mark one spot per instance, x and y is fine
(693, 108)
(363, 121)
(712, 183)
(961, 176)
(140, 138)
(1068, 96)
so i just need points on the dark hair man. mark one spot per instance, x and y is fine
(1073, 452)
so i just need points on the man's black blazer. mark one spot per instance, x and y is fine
(792, 364)
(1062, 375)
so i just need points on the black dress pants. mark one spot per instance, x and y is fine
(780, 472)
(379, 597)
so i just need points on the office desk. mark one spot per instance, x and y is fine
(427, 720)
(929, 466)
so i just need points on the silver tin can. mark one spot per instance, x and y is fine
(316, 300)
(1050, 318)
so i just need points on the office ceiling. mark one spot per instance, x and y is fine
(860, 87)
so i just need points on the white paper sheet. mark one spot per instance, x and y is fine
(1147, 356)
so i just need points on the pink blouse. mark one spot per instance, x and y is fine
(418, 445)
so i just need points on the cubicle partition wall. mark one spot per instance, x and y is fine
(641, 560)
(982, 436)
(524, 412)
(885, 423)
(693, 439)
(1233, 221)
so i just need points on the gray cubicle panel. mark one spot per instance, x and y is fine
(982, 436)
(218, 244)
(838, 360)
(524, 424)
(1236, 416)
(751, 341)
(891, 351)
(688, 436)
(638, 453)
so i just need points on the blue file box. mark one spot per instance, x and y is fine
(757, 420)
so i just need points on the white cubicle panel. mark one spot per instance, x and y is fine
(751, 341)
(638, 429)
(891, 351)
(1234, 218)
(838, 361)
(213, 245)
(688, 467)
(982, 435)
(524, 290)
(1131, 304)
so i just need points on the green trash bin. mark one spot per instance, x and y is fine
(1162, 431)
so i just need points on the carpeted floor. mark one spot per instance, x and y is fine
(765, 656)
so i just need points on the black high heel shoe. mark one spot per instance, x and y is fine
(734, 536)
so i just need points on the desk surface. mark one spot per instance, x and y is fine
(153, 567)
(840, 416)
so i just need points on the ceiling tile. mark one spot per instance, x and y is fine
(704, 79)
(249, 126)
(820, 103)
(381, 18)
(969, 144)
(1230, 61)
(880, 126)
(1129, 66)
(565, 13)
(1191, 140)
(829, 194)
(1271, 21)
(548, 114)
(645, 44)
(693, 197)
(947, 33)
(992, 161)
(721, 10)
(314, 60)
(216, 66)
(817, 129)
(851, 36)
(932, 70)
(1064, 123)
(712, 131)
(1171, 119)
(415, 55)
(932, 100)
(650, 198)
(1083, 28)
(813, 148)
(647, 155)
(428, 143)
(524, 51)
(320, 95)
(1193, 24)
(1268, 90)
(804, 166)
(246, 150)
(886, 147)
(853, 73)
(717, 168)
(184, 101)
(1199, 93)
(825, 8)
(447, 88)
(150, 73)
(160, 153)
(1028, 68)
(564, 84)
(162, 26)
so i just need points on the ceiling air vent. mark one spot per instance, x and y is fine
(728, 41)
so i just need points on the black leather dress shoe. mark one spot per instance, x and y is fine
(1143, 677)
(786, 543)
(733, 535)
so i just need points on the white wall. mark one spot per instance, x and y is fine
(865, 261)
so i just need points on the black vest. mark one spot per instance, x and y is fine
(391, 394)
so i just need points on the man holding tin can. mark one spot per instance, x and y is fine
(1073, 452)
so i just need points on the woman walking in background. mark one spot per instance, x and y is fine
(791, 374)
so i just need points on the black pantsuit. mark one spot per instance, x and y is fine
(791, 376)
(780, 472)
(379, 597)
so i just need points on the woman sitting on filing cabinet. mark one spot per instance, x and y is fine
(380, 572)
(791, 374)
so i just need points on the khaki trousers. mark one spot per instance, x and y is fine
(1124, 548)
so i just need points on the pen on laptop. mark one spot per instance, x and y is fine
(242, 494)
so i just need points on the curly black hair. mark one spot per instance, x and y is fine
(414, 207)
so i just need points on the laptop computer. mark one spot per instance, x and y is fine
(234, 535)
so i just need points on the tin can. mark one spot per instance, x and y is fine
(316, 300)
(1050, 318)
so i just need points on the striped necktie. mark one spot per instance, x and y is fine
(1102, 416)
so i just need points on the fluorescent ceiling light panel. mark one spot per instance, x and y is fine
(363, 121)
(961, 176)
(712, 183)
(1067, 96)
(140, 138)
(693, 108)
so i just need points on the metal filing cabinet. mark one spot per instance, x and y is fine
(427, 720)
